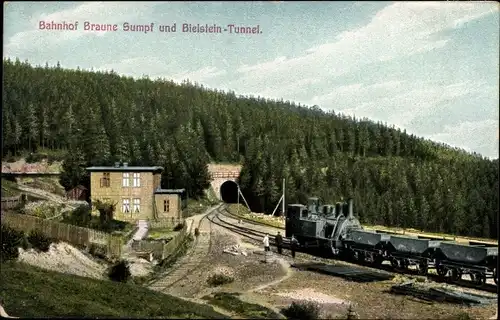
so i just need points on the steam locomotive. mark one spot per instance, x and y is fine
(335, 230)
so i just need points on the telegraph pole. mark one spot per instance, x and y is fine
(283, 203)
(238, 206)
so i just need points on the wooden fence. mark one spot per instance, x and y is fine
(11, 202)
(65, 232)
(155, 247)
(160, 249)
(172, 245)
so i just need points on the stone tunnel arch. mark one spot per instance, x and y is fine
(229, 191)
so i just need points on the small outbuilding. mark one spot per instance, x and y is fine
(78, 193)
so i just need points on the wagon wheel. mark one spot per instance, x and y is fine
(405, 264)
(394, 263)
(423, 267)
(478, 278)
(456, 274)
(359, 257)
(495, 276)
(377, 260)
(441, 271)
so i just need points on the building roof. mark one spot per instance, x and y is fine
(125, 169)
(79, 187)
(169, 191)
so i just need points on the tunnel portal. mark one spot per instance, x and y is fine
(229, 192)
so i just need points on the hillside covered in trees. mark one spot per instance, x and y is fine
(396, 179)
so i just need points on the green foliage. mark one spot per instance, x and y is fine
(178, 227)
(39, 241)
(120, 272)
(106, 213)
(10, 188)
(12, 240)
(81, 216)
(302, 311)
(231, 302)
(219, 279)
(396, 178)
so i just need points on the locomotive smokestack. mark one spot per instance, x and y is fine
(351, 213)
(338, 209)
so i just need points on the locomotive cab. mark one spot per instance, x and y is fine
(293, 215)
(313, 205)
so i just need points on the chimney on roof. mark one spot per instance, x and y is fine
(125, 164)
(117, 164)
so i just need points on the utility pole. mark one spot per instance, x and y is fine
(283, 203)
(238, 206)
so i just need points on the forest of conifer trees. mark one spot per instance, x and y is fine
(395, 178)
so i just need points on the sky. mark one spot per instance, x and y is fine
(431, 68)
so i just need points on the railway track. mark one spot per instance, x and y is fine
(257, 236)
(193, 260)
(220, 219)
(252, 221)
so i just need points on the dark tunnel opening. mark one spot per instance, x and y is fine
(229, 192)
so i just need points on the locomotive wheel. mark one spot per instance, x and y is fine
(456, 274)
(423, 267)
(441, 271)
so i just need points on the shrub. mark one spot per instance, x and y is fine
(221, 276)
(302, 310)
(218, 280)
(106, 213)
(120, 272)
(81, 216)
(98, 251)
(39, 241)
(25, 244)
(179, 227)
(11, 241)
(36, 157)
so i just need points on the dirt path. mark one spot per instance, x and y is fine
(289, 272)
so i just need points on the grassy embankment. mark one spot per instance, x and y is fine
(242, 309)
(245, 213)
(28, 291)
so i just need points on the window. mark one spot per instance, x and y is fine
(137, 205)
(105, 180)
(126, 179)
(137, 180)
(126, 206)
(166, 205)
